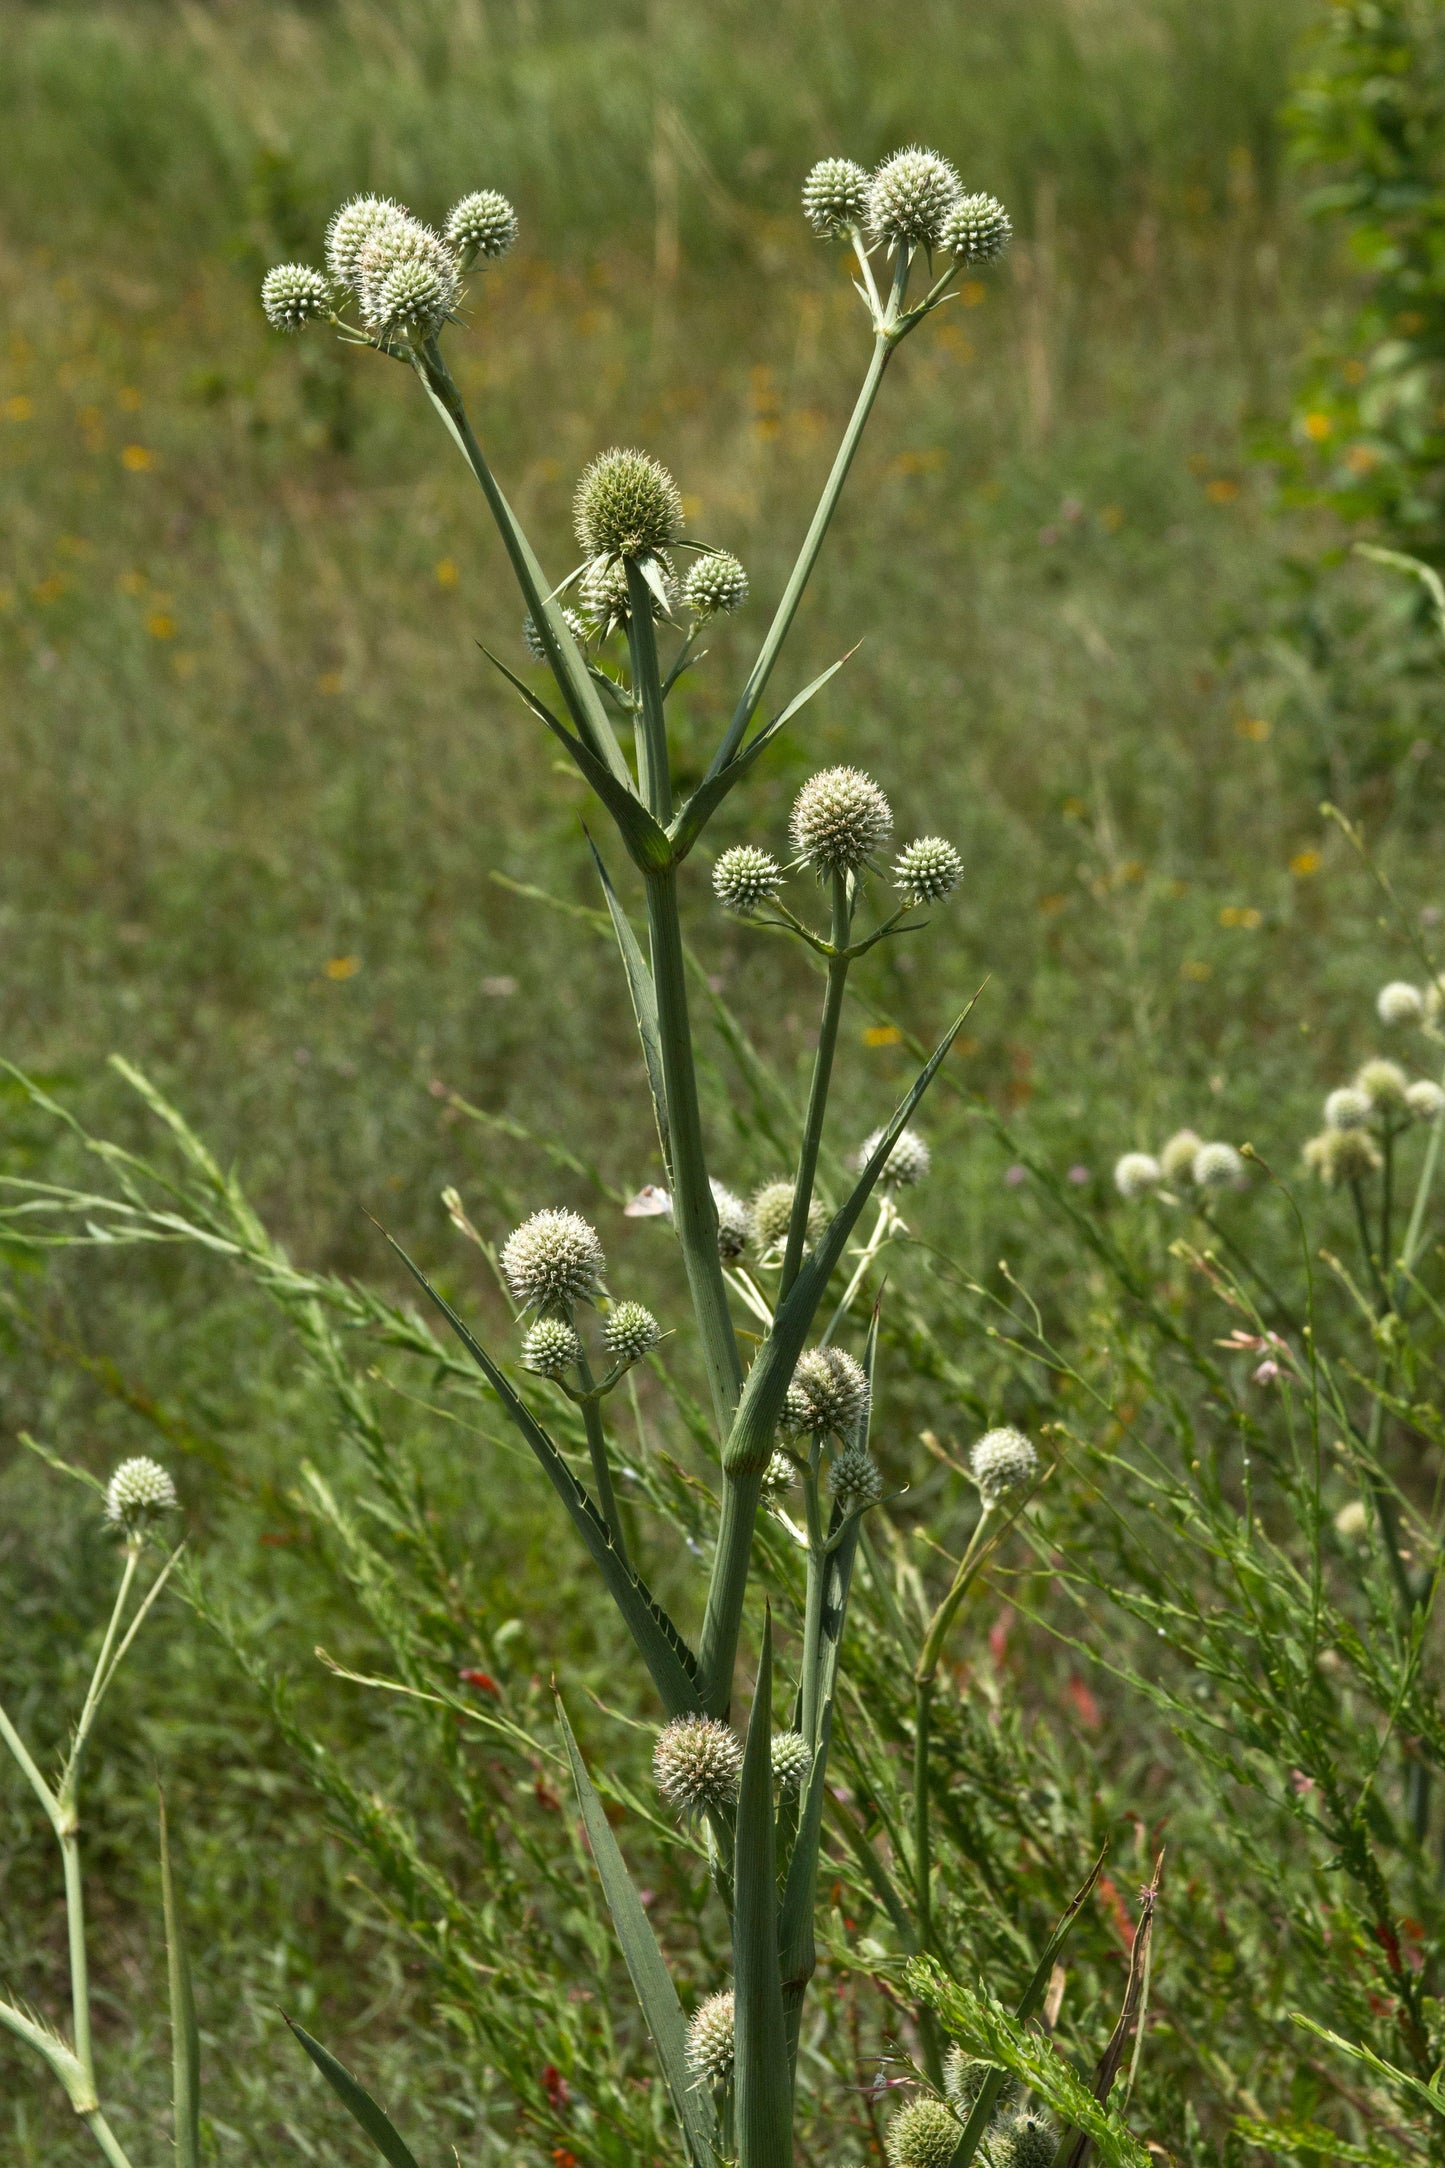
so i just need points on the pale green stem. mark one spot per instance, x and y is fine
(813, 1602)
(36, 1781)
(818, 1089)
(653, 771)
(601, 1465)
(107, 2140)
(99, 1677)
(717, 1646)
(75, 1933)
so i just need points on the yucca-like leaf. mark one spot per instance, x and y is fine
(373, 2119)
(762, 2081)
(694, 816)
(646, 840)
(644, 1004)
(646, 1965)
(185, 2039)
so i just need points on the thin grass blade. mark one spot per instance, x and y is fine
(185, 2039)
(355, 2098)
(761, 2080)
(644, 1003)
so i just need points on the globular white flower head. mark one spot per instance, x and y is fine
(857, 1480)
(1384, 1084)
(697, 1762)
(977, 230)
(630, 1331)
(550, 1347)
(829, 1392)
(710, 2037)
(963, 2077)
(627, 505)
(1136, 1174)
(604, 593)
(910, 197)
(716, 583)
(840, 818)
(293, 295)
(1342, 1155)
(732, 1223)
(924, 2134)
(552, 1261)
(745, 877)
(1027, 2139)
(1425, 1100)
(1219, 1166)
(778, 1477)
(1176, 1158)
(140, 1493)
(533, 638)
(835, 198)
(1400, 1003)
(406, 278)
(1001, 1461)
(909, 1161)
(792, 1759)
(928, 869)
(483, 224)
(1348, 1108)
(352, 227)
(771, 1210)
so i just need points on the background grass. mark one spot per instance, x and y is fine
(257, 779)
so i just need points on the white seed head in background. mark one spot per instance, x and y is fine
(1219, 1166)
(1384, 1084)
(710, 2036)
(1176, 1158)
(835, 198)
(697, 1762)
(840, 818)
(732, 1223)
(1343, 1155)
(1136, 1174)
(1347, 1108)
(909, 1161)
(139, 1493)
(1001, 1461)
(1425, 1100)
(1400, 1003)
(553, 1260)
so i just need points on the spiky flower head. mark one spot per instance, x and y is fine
(1218, 1166)
(1400, 1003)
(1176, 1158)
(977, 230)
(550, 1347)
(1028, 2139)
(139, 1492)
(928, 869)
(1347, 1108)
(732, 1223)
(716, 583)
(1342, 1155)
(630, 1331)
(745, 877)
(352, 227)
(778, 1476)
(533, 638)
(840, 818)
(835, 197)
(770, 1212)
(910, 197)
(963, 2077)
(1384, 1084)
(553, 1260)
(710, 2035)
(909, 1161)
(925, 2134)
(829, 1392)
(697, 1762)
(1136, 1173)
(857, 1480)
(792, 1759)
(627, 505)
(1425, 1100)
(1001, 1461)
(293, 295)
(406, 279)
(482, 224)
(604, 594)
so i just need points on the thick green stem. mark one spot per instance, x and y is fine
(813, 1600)
(818, 1089)
(106, 2139)
(654, 775)
(718, 1644)
(79, 1962)
(922, 1848)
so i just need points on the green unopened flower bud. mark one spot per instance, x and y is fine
(1218, 1166)
(1136, 1174)
(627, 505)
(1176, 1158)
(977, 230)
(352, 227)
(710, 2035)
(1400, 1003)
(533, 638)
(732, 1223)
(928, 869)
(1348, 1108)
(835, 198)
(483, 224)
(630, 1331)
(857, 1480)
(551, 1347)
(1343, 1155)
(138, 1494)
(910, 197)
(778, 1477)
(1384, 1084)
(1425, 1100)
(294, 295)
(1001, 1461)
(605, 597)
(925, 2134)
(909, 1161)
(716, 583)
(1028, 2139)
(829, 1392)
(792, 1759)
(553, 1260)
(746, 877)
(840, 818)
(697, 1763)
(771, 1211)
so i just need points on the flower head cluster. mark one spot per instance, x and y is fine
(909, 1161)
(138, 1494)
(697, 1762)
(913, 200)
(732, 1223)
(1001, 1461)
(746, 877)
(627, 505)
(840, 818)
(1218, 1167)
(924, 2134)
(829, 1393)
(552, 1261)
(1183, 1158)
(717, 583)
(630, 1331)
(771, 1212)
(710, 2037)
(406, 278)
(604, 594)
(927, 870)
(1136, 1173)
(1373, 1106)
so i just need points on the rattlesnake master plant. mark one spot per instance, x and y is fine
(396, 286)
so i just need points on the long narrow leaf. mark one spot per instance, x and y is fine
(644, 1003)
(646, 840)
(761, 2079)
(185, 2040)
(669, 1660)
(646, 1965)
(374, 2120)
(693, 817)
